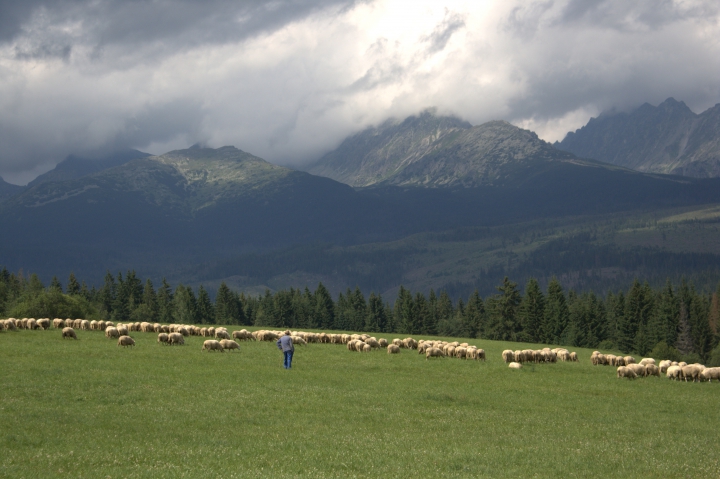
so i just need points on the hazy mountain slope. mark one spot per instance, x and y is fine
(76, 167)
(8, 190)
(668, 139)
(376, 154)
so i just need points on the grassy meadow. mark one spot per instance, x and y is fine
(88, 409)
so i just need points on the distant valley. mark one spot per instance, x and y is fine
(428, 202)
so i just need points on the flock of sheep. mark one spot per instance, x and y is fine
(174, 334)
(546, 355)
(627, 368)
(364, 343)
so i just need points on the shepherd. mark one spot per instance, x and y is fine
(285, 344)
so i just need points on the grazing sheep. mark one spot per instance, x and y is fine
(44, 323)
(163, 338)
(85, 324)
(629, 360)
(125, 341)
(229, 344)
(366, 348)
(112, 333)
(93, 325)
(480, 354)
(460, 352)
(101, 325)
(515, 365)
(383, 342)
(691, 371)
(122, 330)
(176, 338)
(626, 372)
(242, 335)
(574, 357)
(652, 370)
(433, 353)
(638, 369)
(58, 323)
(10, 325)
(374, 344)
(31, 324)
(393, 349)
(620, 361)
(563, 355)
(508, 356)
(646, 361)
(708, 374)
(68, 333)
(398, 342)
(157, 327)
(295, 340)
(212, 345)
(673, 372)
(664, 365)
(222, 334)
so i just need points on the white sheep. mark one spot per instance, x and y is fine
(112, 333)
(515, 365)
(125, 341)
(68, 333)
(229, 344)
(212, 345)
(176, 338)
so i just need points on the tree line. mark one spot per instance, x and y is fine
(675, 321)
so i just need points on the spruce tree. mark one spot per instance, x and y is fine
(377, 320)
(684, 342)
(472, 320)
(557, 314)
(73, 287)
(120, 309)
(405, 312)
(106, 295)
(149, 301)
(422, 313)
(665, 325)
(324, 308)
(184, 305)
(700, 327)
(205, 308)
(35, 286)
(55, 285)
(165, 303)
(223, 305)
(532, 312)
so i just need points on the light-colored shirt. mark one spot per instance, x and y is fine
(285, 343)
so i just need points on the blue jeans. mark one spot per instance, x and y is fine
(288, 359)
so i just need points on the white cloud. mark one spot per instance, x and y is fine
(294, 88)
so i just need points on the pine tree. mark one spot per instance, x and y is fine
(223, 305)
(35, 286)
(55, 285)
(73, 287)
(324, 308)
(472, 320)
(422, 313)
(405, 312)
(503, 323)
(165, 303)
(120, 309)
(205, 308)
(149, 301)
(106, 295)
(376, 315)
(684, 342)
(183, 305)
(699, 326)
(557, 314)
(532, 312)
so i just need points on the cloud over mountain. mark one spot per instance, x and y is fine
(288, 80)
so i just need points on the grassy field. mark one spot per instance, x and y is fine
(89, 409)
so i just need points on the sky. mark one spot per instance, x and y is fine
(288, 80)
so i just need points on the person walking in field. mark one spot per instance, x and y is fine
(285, 344)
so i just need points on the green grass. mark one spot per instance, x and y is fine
(89, 409)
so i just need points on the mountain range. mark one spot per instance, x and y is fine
(203, 214)
(668, 138)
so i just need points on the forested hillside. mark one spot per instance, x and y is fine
(674, 321)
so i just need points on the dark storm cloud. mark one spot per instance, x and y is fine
(443, 31)
(287, 80)
(127, 27)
